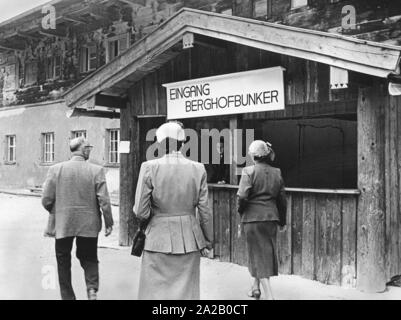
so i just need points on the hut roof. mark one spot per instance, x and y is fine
(158, 47)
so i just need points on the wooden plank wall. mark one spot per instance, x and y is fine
(371, 182)
(319, 242)
(392, 132)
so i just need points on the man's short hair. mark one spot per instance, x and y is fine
(76, 143)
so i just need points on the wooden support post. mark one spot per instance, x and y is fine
(128, 174)
(233, 150)
(371, 204)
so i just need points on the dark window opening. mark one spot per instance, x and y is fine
(312, 153)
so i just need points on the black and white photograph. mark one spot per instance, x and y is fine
(224, 151)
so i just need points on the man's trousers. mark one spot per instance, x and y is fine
(87, 255)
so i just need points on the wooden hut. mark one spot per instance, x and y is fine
(344, 229)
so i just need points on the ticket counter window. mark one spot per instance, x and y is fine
(312, 153)
(215, 156)
(219, 172)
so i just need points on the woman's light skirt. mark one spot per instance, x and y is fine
(169, 276)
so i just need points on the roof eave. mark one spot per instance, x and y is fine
(366, 57)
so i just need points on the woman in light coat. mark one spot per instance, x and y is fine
(262, 206)
(169, 192)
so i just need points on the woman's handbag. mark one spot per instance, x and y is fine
(138, 242)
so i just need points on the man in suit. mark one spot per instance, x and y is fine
(76, 192)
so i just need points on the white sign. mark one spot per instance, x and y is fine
(242, 92)
(394, 89)
(124, 147)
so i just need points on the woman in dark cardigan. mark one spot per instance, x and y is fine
(262, 206)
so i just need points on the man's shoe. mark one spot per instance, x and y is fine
(92, 295)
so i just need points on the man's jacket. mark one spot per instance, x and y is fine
(76, 192)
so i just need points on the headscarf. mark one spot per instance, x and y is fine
(261, 149)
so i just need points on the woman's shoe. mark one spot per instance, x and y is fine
(254, 293)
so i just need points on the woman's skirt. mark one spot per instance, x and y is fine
(169, 276)
(261, 243)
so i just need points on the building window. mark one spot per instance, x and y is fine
(31, 72)
(228, 11)
(9, 73)
(53, 67)
(117, 45)
(88, 58)
(57, 67)
(78, 133)
(48, 147)
(113, 142)
(262, 9)
(11, 151)
(298, 3)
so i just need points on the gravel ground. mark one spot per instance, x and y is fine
(28, 266)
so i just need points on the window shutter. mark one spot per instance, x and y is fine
(92, 57)
(57, 66)
(10, 79)
(111, 50)
(49, 67)
(123, 43)
(82, 60)
(31, 72)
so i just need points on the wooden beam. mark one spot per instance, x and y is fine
(27, 35)
(10, 35)
(8, 48)
(233, 150)
(371, 203)
(129, 171)
(96, 15)
(48, 33)
(79, 112)
(110, 101)
(74, 19)
(130, 2)
(209, 45)
(147, 116)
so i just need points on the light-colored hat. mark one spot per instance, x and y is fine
(259, 148)
(170, 130)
